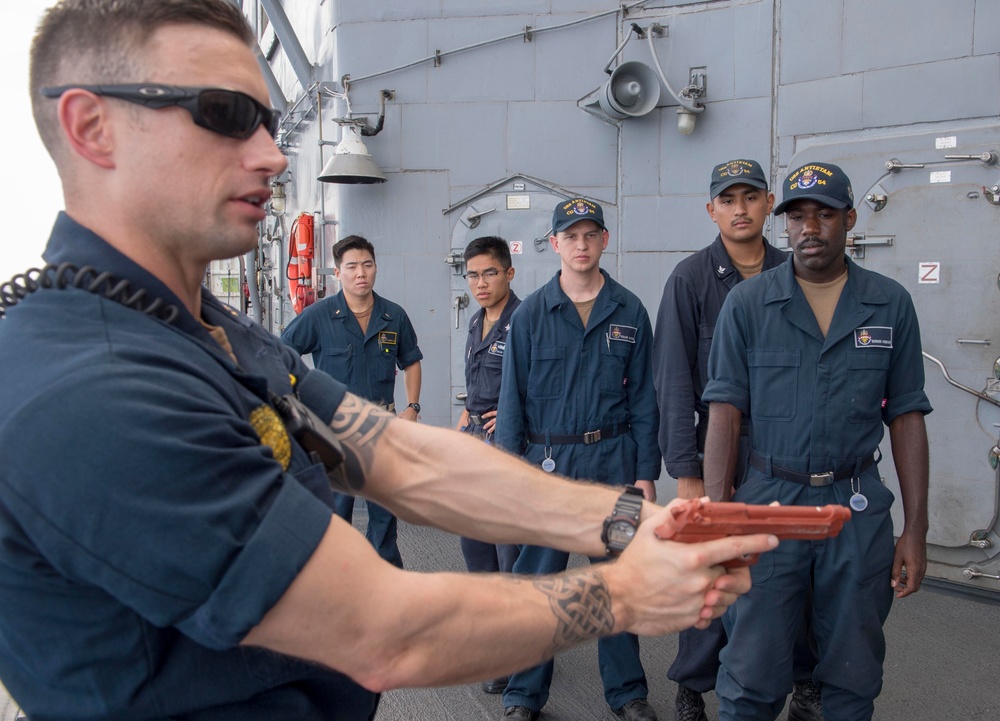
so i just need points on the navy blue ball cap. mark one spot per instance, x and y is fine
(823, 182)
(575, 210)
(736, 172)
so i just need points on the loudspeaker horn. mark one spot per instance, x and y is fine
(632, 90)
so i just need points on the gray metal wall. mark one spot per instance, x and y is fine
(788, 81)
(779, 73)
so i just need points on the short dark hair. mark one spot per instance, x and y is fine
(351, 242)
(100, 42)
(490, 245)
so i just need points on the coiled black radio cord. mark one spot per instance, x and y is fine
(87, 278)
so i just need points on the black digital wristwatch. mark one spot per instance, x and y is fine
(620, 526)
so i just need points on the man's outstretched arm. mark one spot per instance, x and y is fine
(388, 628)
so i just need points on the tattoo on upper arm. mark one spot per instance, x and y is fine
(581, 604)
(358, 424)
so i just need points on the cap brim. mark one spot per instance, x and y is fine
(570, 222)
(716, 190)
(821, 199)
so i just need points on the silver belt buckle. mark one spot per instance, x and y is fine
(821, 479)
(591, 437)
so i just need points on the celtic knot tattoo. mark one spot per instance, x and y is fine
(581, 604)
(358, 425)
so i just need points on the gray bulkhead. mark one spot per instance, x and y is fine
(486, 140)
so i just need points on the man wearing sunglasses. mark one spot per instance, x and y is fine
(168, 547)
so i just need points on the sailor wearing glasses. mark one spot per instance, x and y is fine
(489, 271)
(577, 399)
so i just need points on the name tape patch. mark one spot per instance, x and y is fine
(875, 336)
(497, 347)
(621, 332)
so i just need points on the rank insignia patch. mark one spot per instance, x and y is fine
(272, 433)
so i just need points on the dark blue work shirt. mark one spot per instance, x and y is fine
(153, 507)
(816, 403)
(563, 379)
(484, 358)
(692, 298)
(365, 362)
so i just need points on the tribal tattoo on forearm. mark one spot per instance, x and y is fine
(358, 425)
(581, 604)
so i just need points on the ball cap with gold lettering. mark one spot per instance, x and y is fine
(736, 172)
(575, 210)
(823, 182)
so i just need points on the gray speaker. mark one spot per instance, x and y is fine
(632, 90)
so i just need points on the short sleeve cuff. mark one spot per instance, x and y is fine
(648, 472)
(915, 401)
(684, 470)
(322, 393)
(410, 358)
(721, 392)
(284, 541)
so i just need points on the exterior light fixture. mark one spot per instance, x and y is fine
(351, 163)
(685, 121)
(277, 198)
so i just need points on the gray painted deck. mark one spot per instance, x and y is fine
(942, 661)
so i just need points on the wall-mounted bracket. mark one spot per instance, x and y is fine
(988, 158)
(877, 197)
(857, 242)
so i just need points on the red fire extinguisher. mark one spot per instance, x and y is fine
(300, 258)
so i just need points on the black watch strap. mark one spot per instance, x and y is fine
(414, 406)
(620, 526)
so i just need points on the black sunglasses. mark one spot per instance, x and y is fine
(227, 112)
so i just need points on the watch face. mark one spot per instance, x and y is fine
(620, 533)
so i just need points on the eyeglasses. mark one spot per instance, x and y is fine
(489, 275)
(226, 112)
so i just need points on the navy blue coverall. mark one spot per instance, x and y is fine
(153, 507)
(816, 405)
(685, 323)
(366, 363)
(483, 368)
(562, 379)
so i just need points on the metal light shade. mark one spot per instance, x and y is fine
(351, 163)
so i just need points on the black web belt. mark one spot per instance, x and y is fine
(808, 479)
(586, 438)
